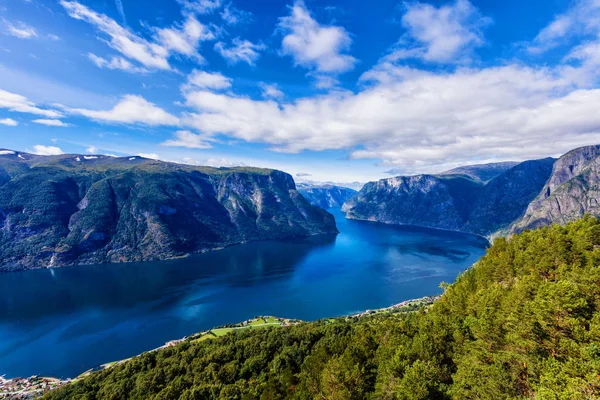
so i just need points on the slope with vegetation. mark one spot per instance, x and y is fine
(75, 209)
(475, 199)
(572, 190)
(523, 323)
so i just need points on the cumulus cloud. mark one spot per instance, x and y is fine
(18, 103)
(50, 122)
(240, 50)
(185, 138)
(116, 63)
(179, 39)
(47, 150)
(20, 30)
(207, 80)
(92, 150)
(417, 119)
(317, 47)
(446, 34)
(131, 109)
(271, 91)
(8, 122)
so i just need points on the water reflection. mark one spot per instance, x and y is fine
(61, 322)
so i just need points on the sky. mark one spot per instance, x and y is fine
(327, 90)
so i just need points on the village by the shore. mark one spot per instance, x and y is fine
(35, 386)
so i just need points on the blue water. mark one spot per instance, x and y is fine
(61, 322)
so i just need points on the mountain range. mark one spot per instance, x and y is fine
(490, 199)
(326, 195)
(83, 209)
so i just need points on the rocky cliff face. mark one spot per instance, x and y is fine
(326, 196)
(423, 200)
(481, 203)
(572, 191)
(75, 209)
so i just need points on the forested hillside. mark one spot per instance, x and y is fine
(522, 323)
(79, 209)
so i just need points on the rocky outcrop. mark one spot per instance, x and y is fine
(75, 209)
(326, 196)
(572, 191)
(464, 201)
(422, 200)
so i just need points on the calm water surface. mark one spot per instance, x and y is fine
(60, 322)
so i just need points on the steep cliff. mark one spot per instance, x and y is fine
(326, 196)
(423, 200)
(76, 209)
(467, 199)
(572, 191)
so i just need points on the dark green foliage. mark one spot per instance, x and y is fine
(74, 209)
(524, 322)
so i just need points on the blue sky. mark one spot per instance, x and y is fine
(326, 90)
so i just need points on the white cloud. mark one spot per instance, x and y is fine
(207, 80)
(20, 30)
(8, 122)
(47, 150)
(200, 6)
(50, 122)
(116, 63)
(185, 138)
(185, 39)
(131, 109)
(18, 103)
(126, 42)
(240, 50)
(582, 18)
(314, 46)
(418, 120)
(271, 91)
(179, 39)
(233, 15)
(119, 5)
(92, 150)
(53, 37)
(447, 34)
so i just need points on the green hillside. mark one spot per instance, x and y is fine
(522, 323)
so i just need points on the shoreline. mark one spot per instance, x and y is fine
(36, 384)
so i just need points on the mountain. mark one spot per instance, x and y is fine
(82, 209)
(572, 190)
(481, 172)
(463, 201)
(423, 200)
(522, 323)
(326, 196)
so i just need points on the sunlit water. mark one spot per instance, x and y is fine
(60, 322)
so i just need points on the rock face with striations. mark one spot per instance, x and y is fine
(326, 196)
(572, 191)
(74, 209)
(466, 199)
